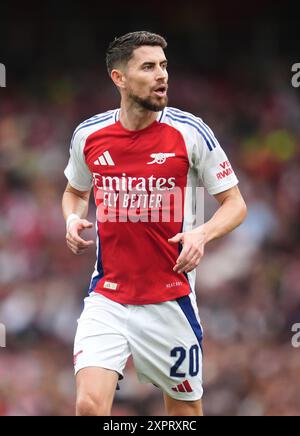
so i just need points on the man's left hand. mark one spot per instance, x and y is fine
(193, 243)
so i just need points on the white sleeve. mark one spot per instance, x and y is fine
(77, 171)
(214, 168)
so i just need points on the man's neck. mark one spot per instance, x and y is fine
(134, 118)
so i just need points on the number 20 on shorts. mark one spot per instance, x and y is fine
(181, 353)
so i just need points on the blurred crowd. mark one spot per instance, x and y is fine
(248, 283)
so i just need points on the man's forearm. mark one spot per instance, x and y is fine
(75, 208)
(230, 215)
(72, 203)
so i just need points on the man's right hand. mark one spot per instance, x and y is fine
(76, 244)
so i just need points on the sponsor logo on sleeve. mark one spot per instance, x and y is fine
(224, 170)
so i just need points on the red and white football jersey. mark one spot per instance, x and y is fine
(144, 187)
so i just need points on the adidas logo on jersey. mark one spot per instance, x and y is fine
(104, 159)
(183, 387)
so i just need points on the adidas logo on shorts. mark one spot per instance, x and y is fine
(76, 356)
(183, 387)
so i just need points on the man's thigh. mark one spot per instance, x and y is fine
(182, 408)
(96, 386)
(165, 341)
(100, 340)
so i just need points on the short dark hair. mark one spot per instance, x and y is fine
(120, 49)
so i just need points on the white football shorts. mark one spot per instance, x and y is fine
(164, 340)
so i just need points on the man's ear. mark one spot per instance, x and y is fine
(118, 77)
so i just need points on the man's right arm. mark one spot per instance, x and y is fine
(75, 205)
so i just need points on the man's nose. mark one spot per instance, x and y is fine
(161, 73)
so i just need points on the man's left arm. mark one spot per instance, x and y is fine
(230, 214)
